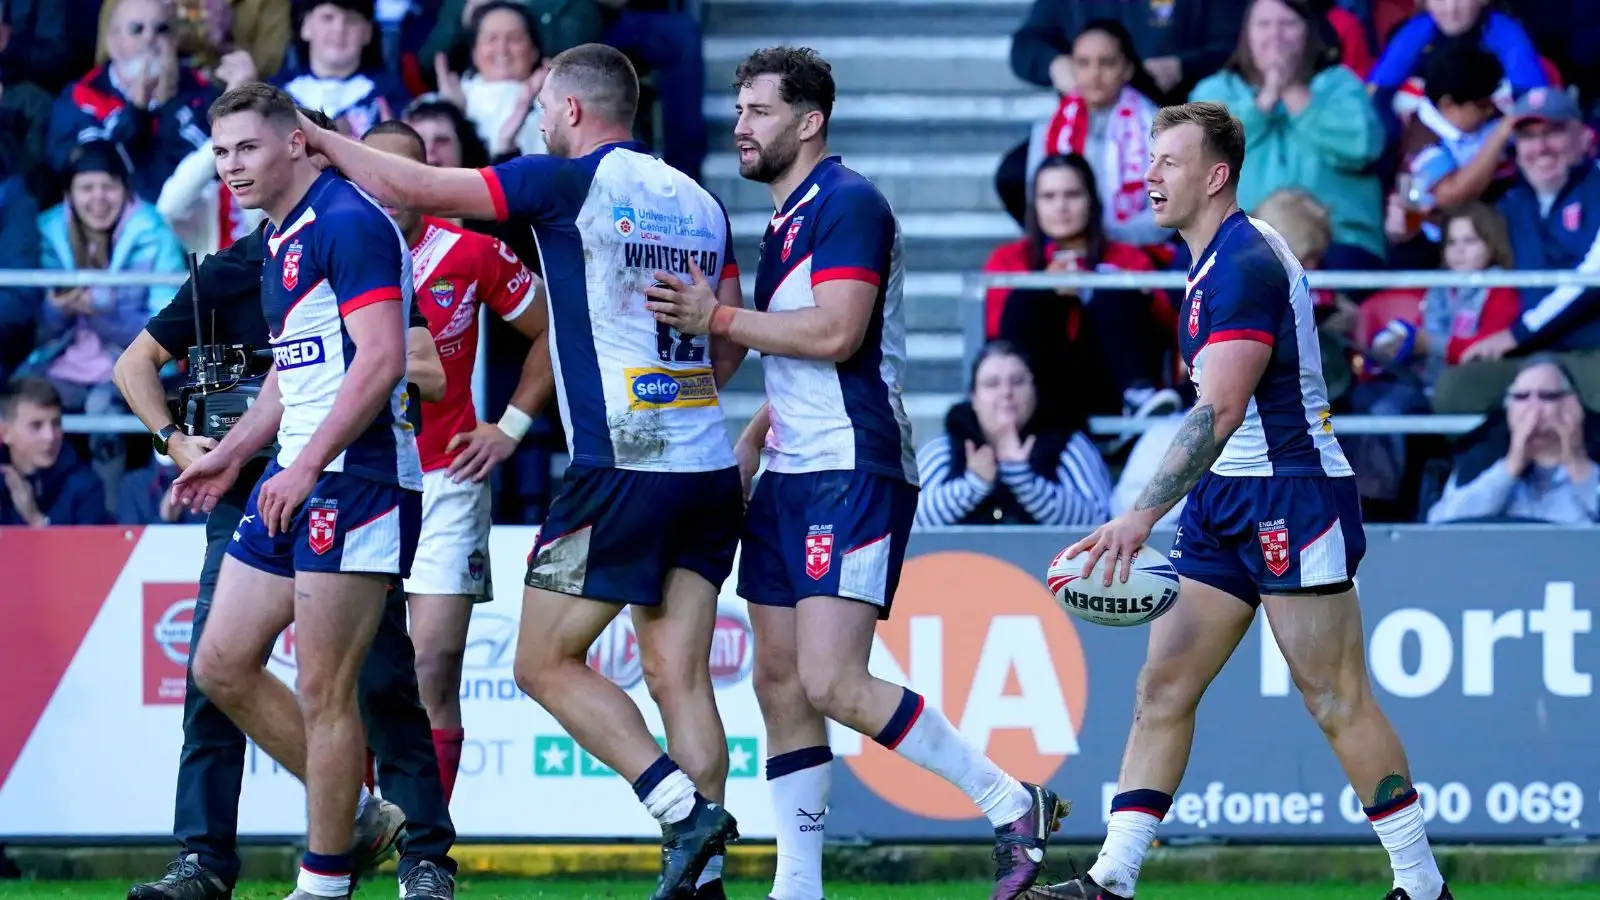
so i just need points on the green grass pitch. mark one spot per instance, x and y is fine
(496, 889)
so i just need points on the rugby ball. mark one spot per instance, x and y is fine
(1151, 589)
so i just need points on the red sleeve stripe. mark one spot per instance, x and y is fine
(1241, 334)
(497, 193)
(731, 270)
(376, 295)
(846, 273)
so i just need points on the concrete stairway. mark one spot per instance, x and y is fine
(927, 104)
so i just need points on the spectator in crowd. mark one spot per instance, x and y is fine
(142, 99)
(49, 46)
(100, 225)
(1101, 352)
(1349, 34)
(144, 497)
(19, 249)
(1532, 462)
(24, 125)
(507, 72)
(1179, 41)
(1308, 123)
(1470, 160)
(450, 140)
(341, 73)
(221, 37)
(997, 464)
(1553, 215)
(43, 480)
(1396, 79)
(1106, 121)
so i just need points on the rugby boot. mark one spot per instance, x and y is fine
(1079, 888)
(1019, 846)
(1401, 894)
(377, 830)
(186, 879)
(427, 881)
(687, 846)
(711, 890)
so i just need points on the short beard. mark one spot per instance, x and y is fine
(774, 161)
(556, 142)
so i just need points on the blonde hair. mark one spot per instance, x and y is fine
(1302, 221)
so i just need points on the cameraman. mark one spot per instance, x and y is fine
(211, 768)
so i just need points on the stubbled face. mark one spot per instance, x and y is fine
(1179, 175)
(1061, 203)
(767, 132)
(503, 49)
(97, 199)
(254, 159)
(33, 434)
(560, 117)
(399, 145)
(440, 138)
(1099, 69)
(336, 37)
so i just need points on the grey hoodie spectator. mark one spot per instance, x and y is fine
(41, 481)
(1180, 41)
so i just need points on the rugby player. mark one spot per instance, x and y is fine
(454, 271)
(827, 526)
(650, 509)
(1273, 520)
(334, 519)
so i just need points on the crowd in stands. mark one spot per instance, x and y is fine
(1382, 135)
(106, 164)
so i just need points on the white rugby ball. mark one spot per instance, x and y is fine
(1151, 588)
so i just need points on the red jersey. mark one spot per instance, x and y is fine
(454, 271)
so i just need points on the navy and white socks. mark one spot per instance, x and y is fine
(1399, 825)
(1129, 836)
(799, 781)
(665, 791)
(924, 736)
(325, 874)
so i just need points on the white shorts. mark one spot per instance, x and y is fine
(453, 550)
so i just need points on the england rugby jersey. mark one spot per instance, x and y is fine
(1247, 285)
(336, 252)
(633, 394)
(455, 271)
(850, 414)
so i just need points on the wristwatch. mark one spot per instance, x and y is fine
(161, 437)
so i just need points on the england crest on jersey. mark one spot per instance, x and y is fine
(291, 266)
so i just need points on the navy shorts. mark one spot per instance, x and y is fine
(612, 534)
(826, 534)
(348, 524)
(1283, 534)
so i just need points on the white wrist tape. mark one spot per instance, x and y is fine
(514, 422)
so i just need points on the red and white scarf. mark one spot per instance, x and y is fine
(1128, 135)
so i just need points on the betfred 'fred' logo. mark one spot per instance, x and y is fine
(1008, 672)
(168, 626)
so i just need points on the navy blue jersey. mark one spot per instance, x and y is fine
(847, 415)
(337, 252)
(1247, 285)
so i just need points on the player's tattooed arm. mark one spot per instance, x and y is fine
(1196, 446)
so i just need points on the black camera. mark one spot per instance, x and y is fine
(224, 379)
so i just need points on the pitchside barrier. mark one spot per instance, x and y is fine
(1487, 672)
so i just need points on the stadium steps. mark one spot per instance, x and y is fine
(927, 106)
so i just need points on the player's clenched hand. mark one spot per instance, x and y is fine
(1121, 537)
(205, 480)
(482, 448)
(686, 307)
(282, 495)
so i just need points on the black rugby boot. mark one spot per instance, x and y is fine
(687, 846)
(186, 879)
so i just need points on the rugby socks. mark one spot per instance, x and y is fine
(447, 747)
(927, 738)
(712, 871)
(325, 874)
(1399, 825)
(1129, 834)
(799, 782)
(666, 792)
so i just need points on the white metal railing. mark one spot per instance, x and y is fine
(1379, 280)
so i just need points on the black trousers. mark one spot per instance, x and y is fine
(211, 769)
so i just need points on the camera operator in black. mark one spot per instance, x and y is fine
(211, 768)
